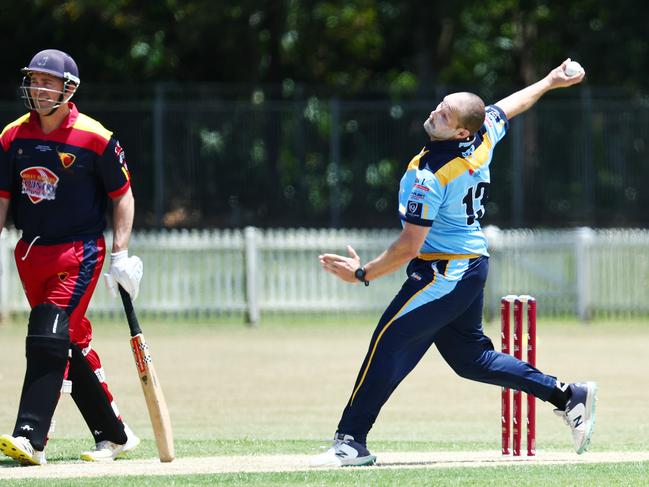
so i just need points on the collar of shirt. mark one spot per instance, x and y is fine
(437, 153)
(451, 147)
(67, 122)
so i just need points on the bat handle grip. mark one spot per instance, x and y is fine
(133, 323)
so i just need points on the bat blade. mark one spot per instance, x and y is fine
(154, 398)
(151, 388)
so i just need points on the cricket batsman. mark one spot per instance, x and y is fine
(58, 168)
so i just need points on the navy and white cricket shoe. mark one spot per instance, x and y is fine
(580, 413)
(345, 452)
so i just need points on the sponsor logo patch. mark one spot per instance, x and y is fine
(39, 183)
(121, 157)
(119, 152)
(415, 209)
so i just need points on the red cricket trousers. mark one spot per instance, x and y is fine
(66, 275)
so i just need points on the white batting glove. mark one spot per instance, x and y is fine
(125, 271)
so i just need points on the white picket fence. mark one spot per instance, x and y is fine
(206, 273)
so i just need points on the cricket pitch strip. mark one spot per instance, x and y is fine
(289, 463)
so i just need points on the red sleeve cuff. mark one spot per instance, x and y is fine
(119, 192)
(5, 194)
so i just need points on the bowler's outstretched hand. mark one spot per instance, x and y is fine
(340, 266)
(558, 78)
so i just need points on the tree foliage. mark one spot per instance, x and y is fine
(352, 47)
(354, 77)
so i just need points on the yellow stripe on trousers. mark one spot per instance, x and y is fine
(378, 338)
(438, 256)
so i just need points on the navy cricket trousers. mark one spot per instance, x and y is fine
(440, 302)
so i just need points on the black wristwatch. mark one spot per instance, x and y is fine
(360, 275)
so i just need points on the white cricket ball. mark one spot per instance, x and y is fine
(572, 68)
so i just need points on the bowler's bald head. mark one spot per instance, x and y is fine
(469, 108)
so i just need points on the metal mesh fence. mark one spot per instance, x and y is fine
(203, 159)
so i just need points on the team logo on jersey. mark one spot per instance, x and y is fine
(67, 159)
(468, 146)
(39, 183)
(469, 152)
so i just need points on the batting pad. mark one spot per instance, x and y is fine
(92, 401)
(46, 350)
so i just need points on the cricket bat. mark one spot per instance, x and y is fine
(155, 401)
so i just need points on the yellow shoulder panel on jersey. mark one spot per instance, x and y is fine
(88, 124)
(15, 123)
(414, 162)
(454, 168)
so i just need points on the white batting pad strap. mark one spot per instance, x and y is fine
(66, 387)
(101, 375)
(86, 350)
(115, 410)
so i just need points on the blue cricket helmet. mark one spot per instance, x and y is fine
(56, 63)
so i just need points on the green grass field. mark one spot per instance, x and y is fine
(279, 389)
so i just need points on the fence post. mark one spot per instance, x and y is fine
(492, 287)
(583, 239)
(518, 173)
(586, 162)
(333, 177)
(5, 260)
(252, 270)
(158, 153)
